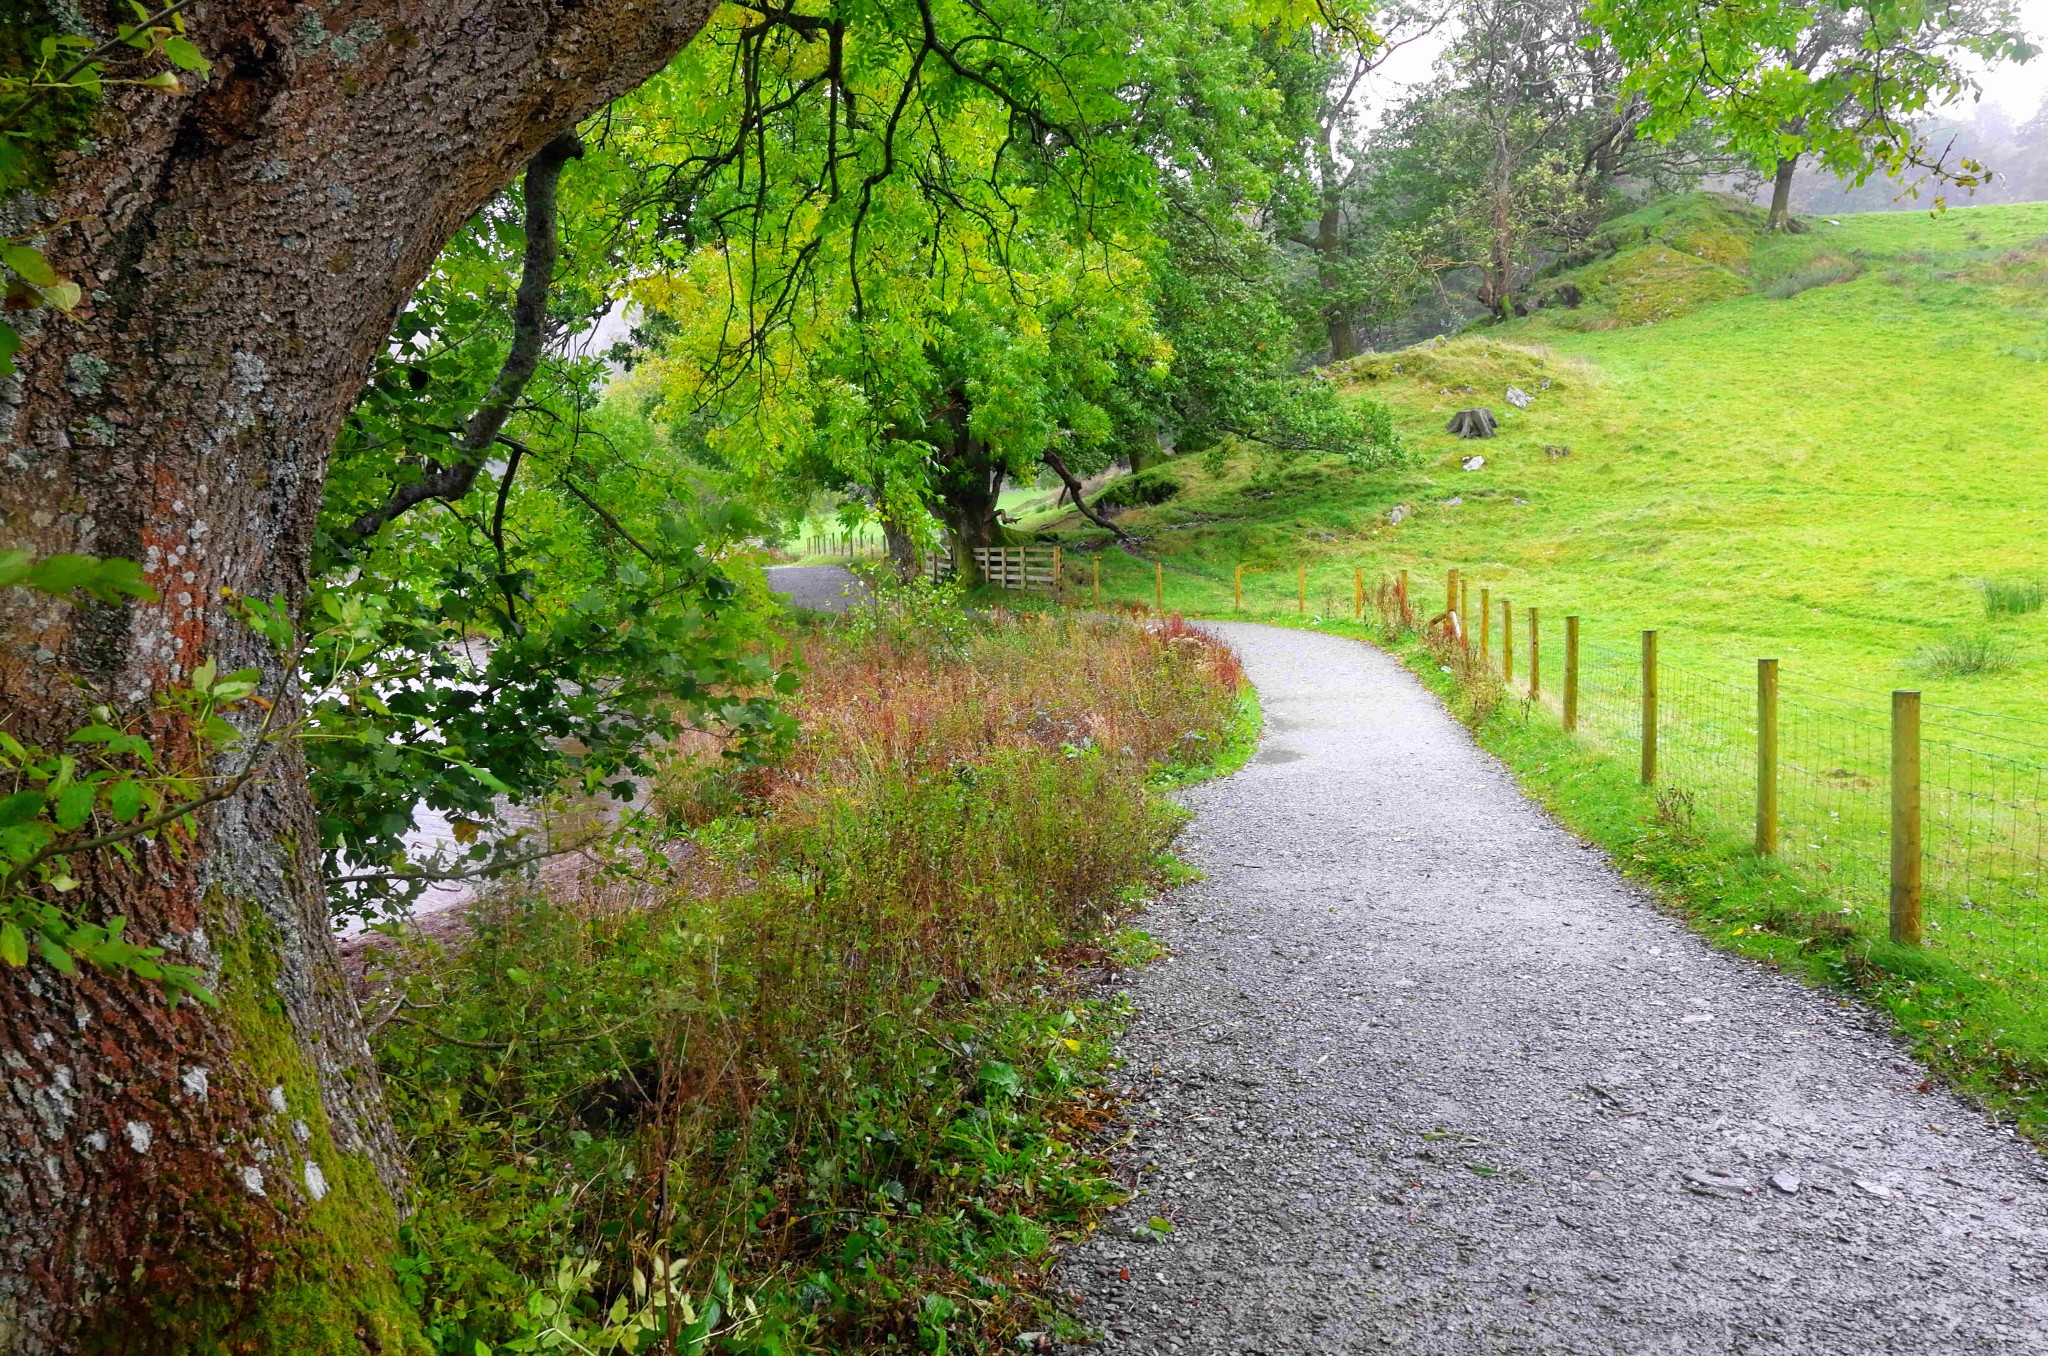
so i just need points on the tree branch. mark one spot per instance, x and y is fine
(454, 479)
(1059, 468)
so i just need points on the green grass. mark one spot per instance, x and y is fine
(1825, 478)
(1964, 657)
(2005, 598)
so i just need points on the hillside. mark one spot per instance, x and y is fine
(1817, 447)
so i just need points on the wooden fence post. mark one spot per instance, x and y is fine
(1906, 818)
(1451, 591)
(1465, 610)
(1301, 589)
(1358, 593)
(1485, 627)
(1159, 587)
(1649, 769)
(1059, 565)
(1535, 658)
(1571, 670)
(1766, 757)
(1507, 641)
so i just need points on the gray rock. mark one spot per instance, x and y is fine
(1518, 397)
(1786, 1181)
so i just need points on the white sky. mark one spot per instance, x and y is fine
(2018, 90)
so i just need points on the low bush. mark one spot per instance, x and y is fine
(1138, 491)
(815, 1068)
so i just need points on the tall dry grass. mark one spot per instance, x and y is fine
(807, 1055)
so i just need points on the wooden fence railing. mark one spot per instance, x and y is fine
(1018, 567)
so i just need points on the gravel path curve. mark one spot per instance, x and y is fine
(818, 588)
(1423, 1074)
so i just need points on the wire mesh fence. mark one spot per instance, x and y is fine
(1824, 780)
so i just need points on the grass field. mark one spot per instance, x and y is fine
(1828, 448)
(1830, 477)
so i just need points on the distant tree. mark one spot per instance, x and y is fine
(1846, 84)
(1516, 150)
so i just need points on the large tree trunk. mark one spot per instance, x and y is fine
(968, 485)
(1336, 309)
(1329, 248)
(1496, 289)
(202, 1177)
(1780, 218)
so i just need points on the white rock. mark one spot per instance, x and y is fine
(1473, 462)
(316, 1180)
(252, 1178)
(1786, 1181)
(140, 1136)
(1518, 397)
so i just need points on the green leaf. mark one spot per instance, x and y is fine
(118, 576)
(124, 799)
(74, 805)
(62, 573)
(202, 678)
(13, 945)
(59, 959)
(185, 56)
(95, 734)
(20, 808)
(30, 264)
(65, 296)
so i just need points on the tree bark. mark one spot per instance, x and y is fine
(1337, 323)
(1329, 246)
(1780, 218)
(967, 487)
(1496, 290)
(224, 1177)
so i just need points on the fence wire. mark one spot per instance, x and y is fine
(1983, 781)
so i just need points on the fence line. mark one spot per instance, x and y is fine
(1933, 819)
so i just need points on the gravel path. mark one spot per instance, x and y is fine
(820, 588)
(1422, 1075)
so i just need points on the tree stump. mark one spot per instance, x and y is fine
(1472, 424)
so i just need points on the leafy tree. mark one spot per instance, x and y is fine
(1842, 83)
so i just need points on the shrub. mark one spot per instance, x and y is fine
(2012, 598)
(816, 1047)
(1963, 657)
(1147, 487)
